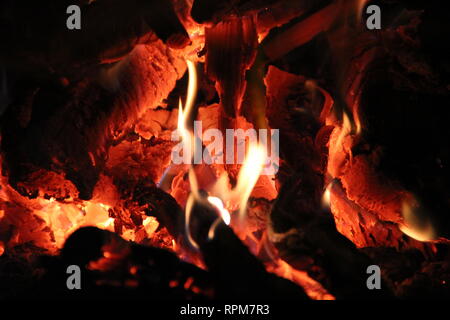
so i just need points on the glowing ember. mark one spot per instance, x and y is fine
(151, 225)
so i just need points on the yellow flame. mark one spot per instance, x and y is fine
(417, 225)
(346, 129)
(216, 202)
(185, 112)
(189, 144)
(224, 216)
(326, 198)
(248, 175)
(192, 87)
(238, 197)
(357, 123)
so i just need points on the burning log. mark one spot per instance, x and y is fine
(308, 240)
(114, 268)
(293, 106)
(231, 48)
(84, 143)
(300, 33)
(77, 124)
(371, 155)
(235, 272)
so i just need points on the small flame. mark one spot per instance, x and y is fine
(417, 224)
(249, 174)
(216, 202)
(312, 288)
(326, 198)
(358, 124)
(346, 129)
(188, 210)
(174, 245)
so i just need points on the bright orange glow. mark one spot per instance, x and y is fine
(360, 4)
(312, 288)
(63, 219)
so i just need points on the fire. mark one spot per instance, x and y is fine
(220, 194)
(417, 224)
(312, 288)
(48, 222)
(184, 113)
(345, 130)
(216, 202)
(248, 176)
(151, 225)
(326, 197)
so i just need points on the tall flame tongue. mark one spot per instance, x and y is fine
(185, 113)
(220, 196)
(248, 176)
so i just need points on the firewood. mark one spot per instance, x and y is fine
(109, 31)
(277, 46)
(114, 268)
(231, 48)
(306, 238)
(75, 125)
(235, 272)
